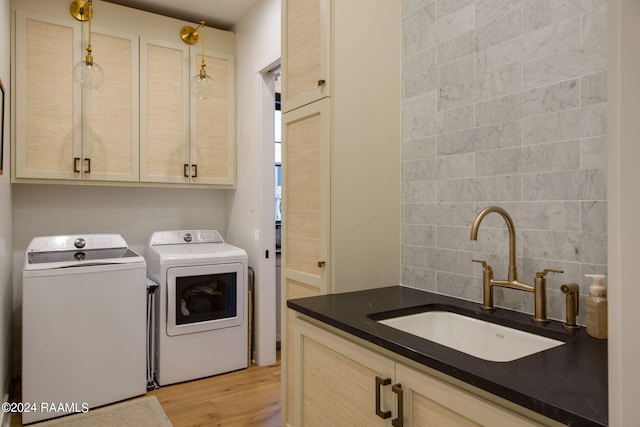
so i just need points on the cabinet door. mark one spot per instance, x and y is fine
(305, 195)
(111, 114)
(292, 290)
(212, 141)
(431, 402)
(336, 381)
(48, 132)
(164, 112)
(306, 38)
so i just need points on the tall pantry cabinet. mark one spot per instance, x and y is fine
(341, 153)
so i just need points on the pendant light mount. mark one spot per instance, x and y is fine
(81, 10)
(189, 35)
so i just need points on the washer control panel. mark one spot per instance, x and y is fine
(185, 237)
(71, 242)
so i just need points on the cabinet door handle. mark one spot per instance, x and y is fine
(88, 163)
(321, 82)
(380, 382)
(186, 170)
(76, 164)
(322, 264)
(398, 421)
(195, 171)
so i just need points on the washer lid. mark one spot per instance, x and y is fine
(79, 255)
(49, 252)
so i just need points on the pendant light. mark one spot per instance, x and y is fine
(201, 83)
(87, 73)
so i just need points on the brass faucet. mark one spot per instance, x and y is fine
(540, 284)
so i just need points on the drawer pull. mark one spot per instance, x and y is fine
(380, 382)
(398, 421)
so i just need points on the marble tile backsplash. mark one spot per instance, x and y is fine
(504, 103)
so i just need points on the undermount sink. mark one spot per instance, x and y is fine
(475, 337)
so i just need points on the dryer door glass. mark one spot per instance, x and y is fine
(204, 298)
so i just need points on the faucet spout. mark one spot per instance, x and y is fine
(513, 272)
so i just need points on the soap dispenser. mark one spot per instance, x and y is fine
(597, 307)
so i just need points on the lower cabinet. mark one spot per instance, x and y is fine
(341, 383)
(335, 381)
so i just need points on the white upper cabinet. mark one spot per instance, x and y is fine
(111, 115)
(48, 130)
(164, 111)
(141, 126)
(185, 139)
(64, 131)
(212, 152)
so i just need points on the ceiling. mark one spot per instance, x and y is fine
(222, 14)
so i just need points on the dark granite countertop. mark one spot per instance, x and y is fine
(567, 383)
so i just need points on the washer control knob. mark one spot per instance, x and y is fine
(79, 243)
(188, 237)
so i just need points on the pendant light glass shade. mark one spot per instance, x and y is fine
(88, 74)
(202, 85)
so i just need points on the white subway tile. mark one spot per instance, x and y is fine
(492, 137)
(537, 44)
(587, 59)
(483, 189)
(586, 184)
(560, 156)
(571, 124)
(593, 88)
(593, 153)
(594, 24)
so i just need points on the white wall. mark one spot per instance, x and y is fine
(251, 216)
(5, 212)
(624, 211)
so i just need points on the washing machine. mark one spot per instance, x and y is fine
(83, 324)
(201, 304)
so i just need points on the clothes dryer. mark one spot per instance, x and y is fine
(201, 304)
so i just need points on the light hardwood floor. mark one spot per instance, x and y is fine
(250, 397)
(246, 398)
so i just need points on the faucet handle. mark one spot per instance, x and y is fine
(543, 273)
(485, 266)
(570, 288)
